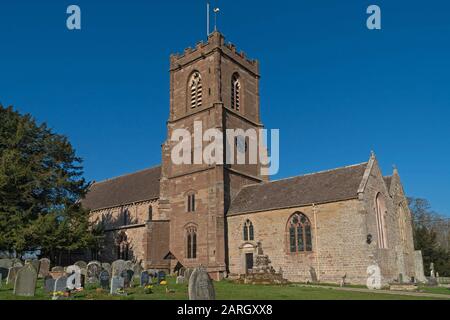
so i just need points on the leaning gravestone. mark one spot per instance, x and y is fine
(93, 271)
(145, 279)
(104, 279)
(49, 284)
(201, 286)
(25, 284)
(12, 273)
(44, 267)
(117, 283)
(117, 267)
(374, 279)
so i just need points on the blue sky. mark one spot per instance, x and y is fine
(335, 89)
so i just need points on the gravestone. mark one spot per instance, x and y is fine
(188, 273)
(44, 267)
(145, 278)
(116, 283)
(201, 286)
(107, 266)
(104, 279)
(127, 275)
(5, 264)
(93, 271)
(180, 280)
(17, 263)
(25, 284)
(137, 269)
(129, 264)
(374, 279)
(35, 263)
(58, 269)
(60, 284)
(81, 264)
(49, 284)
(117, 267)
(12, 273)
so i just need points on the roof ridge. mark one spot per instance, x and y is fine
(126, 175)
(306, 174)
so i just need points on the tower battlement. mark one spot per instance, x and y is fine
(216, 41)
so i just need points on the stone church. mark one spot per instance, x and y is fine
(325, 225)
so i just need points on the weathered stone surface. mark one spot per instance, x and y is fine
(44, 267)
(116, 283)
(93, 271)
(12, 273)
(49, 284)
(104, 279)
(82, 264)
(60, 284)
(201, 286)
(25, 284)
(180, 280)
(374, 280)
(117, 267)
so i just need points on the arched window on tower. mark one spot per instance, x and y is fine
(380, 207)
(191, 245)
(248, 231)
(299, 233)
(235, 92)
(195, 90)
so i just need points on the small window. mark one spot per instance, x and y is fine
(126, 217)
(191, 202)
(249, 234)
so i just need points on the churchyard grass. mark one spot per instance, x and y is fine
(225, 290)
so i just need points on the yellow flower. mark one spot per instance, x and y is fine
(164, 282)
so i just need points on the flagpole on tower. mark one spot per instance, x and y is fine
(207, 19)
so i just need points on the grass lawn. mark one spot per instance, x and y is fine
(225, 290)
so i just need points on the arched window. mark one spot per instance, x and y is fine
(150, 213)
(123, 246)
(299, 231)
(235, 92)
(249, 234)
(195, 90)
(191, 245)
(380, 207)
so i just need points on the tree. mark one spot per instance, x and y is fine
(40, 185)
(429, 232)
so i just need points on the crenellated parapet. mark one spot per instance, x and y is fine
(216, 42)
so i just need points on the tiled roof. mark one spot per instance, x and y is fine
(134, 187)
(320, 187)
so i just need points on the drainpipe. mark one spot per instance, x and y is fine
(316, 237)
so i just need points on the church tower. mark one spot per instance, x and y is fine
(216, 86)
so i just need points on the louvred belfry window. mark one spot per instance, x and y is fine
(235, 92)
(195, 90)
